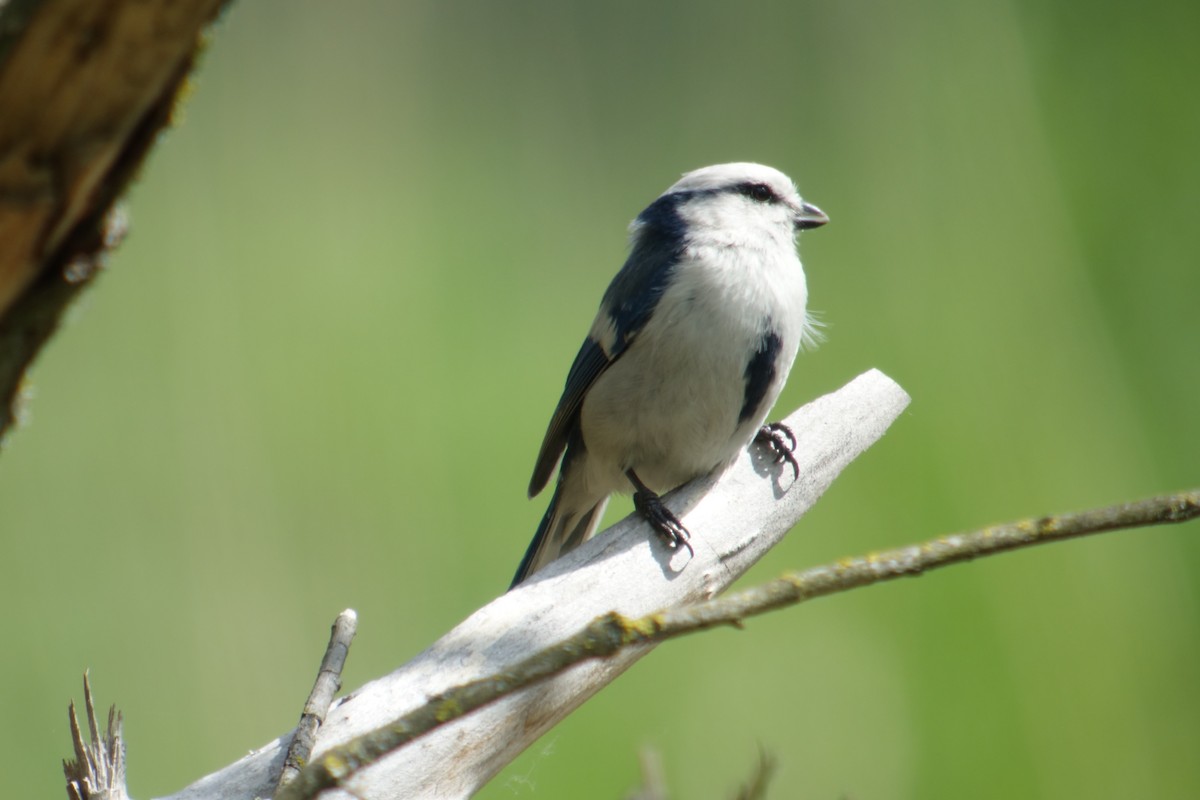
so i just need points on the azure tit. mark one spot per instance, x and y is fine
(692, 344)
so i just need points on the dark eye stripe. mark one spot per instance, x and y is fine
(759, 192)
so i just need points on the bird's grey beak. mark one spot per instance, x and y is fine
(810, 217)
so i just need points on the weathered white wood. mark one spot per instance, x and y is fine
(734, 519)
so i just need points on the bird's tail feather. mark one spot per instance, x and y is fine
(562, 529)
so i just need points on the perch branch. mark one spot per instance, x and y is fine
(734, 518)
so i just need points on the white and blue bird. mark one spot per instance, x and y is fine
(691, 346)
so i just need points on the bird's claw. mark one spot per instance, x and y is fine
(665, 523)
(782, 442)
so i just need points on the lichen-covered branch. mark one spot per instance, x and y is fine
(612, 632)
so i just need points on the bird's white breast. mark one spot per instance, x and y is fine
(669, 407)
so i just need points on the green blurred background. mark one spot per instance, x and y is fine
(319, 369)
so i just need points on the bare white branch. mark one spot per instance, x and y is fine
(734, 519)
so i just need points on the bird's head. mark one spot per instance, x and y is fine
(736, 199)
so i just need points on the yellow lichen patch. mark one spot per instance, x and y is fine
(335, 765)
(1050, 525)
(642, 628)
(447, 710)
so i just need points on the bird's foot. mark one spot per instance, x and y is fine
(650, 506)
(782, 441)
(668, 526)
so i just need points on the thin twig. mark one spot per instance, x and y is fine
(329, 680)
(654, 781)
(756, 787)
(612, 632)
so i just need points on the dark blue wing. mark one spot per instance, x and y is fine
(627, 305)
(637, 288)
(589, 363)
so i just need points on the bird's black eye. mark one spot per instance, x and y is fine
(759, 192)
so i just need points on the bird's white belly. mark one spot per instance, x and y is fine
(669, 407)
